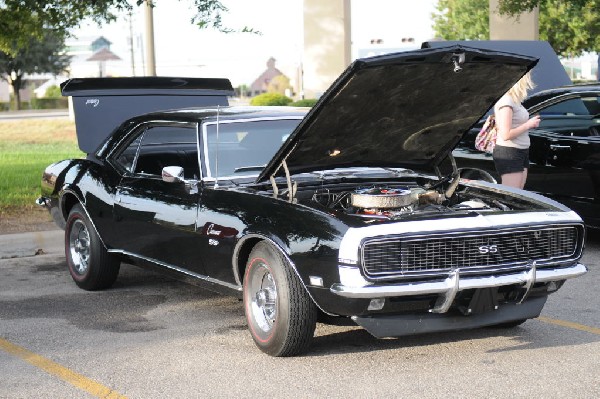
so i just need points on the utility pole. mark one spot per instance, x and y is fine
(150, 58)
(131, 43)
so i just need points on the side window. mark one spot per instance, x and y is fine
(574, 106)
(126, 158)
(573, 117)
(157, 146)
(592, 103)
(168, 146)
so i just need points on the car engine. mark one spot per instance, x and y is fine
(392, 201)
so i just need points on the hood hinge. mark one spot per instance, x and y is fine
(291, 185)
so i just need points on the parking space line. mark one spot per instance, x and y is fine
(90, 386)
(569, 324)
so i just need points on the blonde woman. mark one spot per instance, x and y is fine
(511, 154)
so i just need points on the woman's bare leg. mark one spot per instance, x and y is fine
(524, 178)
(516, 179)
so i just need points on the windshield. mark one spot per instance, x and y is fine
(243, 148)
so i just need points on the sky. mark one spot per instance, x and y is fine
(182, 49)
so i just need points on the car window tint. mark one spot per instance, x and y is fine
(163, 146)
(244, 148)
(127, 157)
(573, 118)
(592, 103)
(573, 106)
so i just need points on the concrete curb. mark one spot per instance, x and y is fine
(30, 244)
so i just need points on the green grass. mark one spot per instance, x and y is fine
(26, 148)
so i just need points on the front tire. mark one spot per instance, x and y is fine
(281, 316)
(90, 264)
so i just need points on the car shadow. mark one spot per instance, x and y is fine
(534, 334)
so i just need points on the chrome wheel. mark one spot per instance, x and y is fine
(79, 247)
(91, 266)
(280, 314)
(263, 295)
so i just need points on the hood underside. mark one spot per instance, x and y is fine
(404, 110)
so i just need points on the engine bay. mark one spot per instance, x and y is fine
(393, 201)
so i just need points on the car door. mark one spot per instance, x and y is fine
(570, 165)
(234, 151)
(566, 149)
(156, 220)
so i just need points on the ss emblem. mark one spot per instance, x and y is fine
(484, 249)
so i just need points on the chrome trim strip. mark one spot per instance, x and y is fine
(178, 269)
(447, 285)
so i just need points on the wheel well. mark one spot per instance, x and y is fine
(244, 254)
(69, 201)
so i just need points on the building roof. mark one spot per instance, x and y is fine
(262, 82)
(104, 54)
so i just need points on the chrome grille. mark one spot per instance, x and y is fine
(473, 251)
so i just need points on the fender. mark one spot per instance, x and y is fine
(283, 249)
(62, 203)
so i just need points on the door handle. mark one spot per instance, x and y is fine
(559, 147)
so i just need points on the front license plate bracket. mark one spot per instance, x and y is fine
(483, 300)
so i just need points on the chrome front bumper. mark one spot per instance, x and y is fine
(43, 202)
(449, 287)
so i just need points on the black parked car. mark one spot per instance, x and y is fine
(339, 214)
(564, 152)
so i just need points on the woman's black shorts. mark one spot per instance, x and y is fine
(510, 159)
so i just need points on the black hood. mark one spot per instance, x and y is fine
(404, 110)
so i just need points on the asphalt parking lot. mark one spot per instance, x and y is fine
(151, 337)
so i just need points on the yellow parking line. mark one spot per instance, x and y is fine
(90, 386)
(569, 324)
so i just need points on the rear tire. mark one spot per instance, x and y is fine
(281, 316)
(90, 265)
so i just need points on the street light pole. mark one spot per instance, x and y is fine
(150, 58)
(131, 49)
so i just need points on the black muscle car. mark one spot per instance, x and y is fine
(565, 149)
(341, 213)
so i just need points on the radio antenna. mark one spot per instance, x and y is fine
(217, 151)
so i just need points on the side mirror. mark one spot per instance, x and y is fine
(172, 174)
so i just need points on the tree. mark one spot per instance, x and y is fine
(570, 27)
(462, 20)
(53, 92)
(45, 55)
(21, 20)
(279, 84)
(516, 7)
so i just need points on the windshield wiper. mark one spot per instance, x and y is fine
(249, 168)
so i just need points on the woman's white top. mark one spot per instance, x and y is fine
(519, 116)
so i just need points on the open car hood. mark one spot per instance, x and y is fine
(405, 110)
